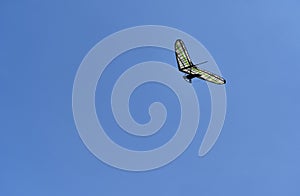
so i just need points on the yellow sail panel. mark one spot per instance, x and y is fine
(182, 56)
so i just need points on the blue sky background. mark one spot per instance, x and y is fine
(256, 45)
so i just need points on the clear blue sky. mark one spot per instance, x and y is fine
(256, 45)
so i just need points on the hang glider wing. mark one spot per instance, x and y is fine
(182, 56)
(208, 76)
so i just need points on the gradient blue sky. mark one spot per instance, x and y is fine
(256, 45)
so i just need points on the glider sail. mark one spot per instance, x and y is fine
(208, 76)
(182, 56)
(185, 65)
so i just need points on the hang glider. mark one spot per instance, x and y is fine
(191, 70)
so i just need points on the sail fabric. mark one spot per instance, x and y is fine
(182, 56)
